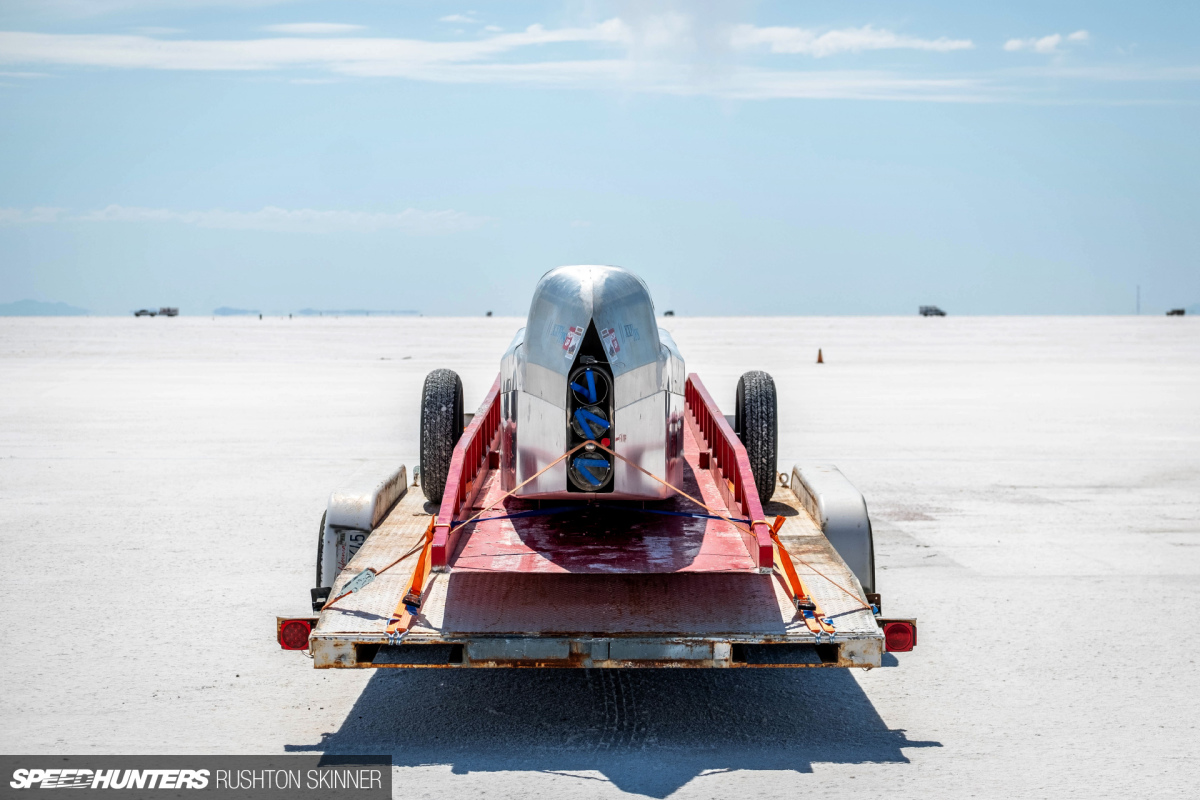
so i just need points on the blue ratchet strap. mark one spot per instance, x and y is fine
(677, 513)
(533, 512)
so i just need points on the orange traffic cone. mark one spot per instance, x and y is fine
(820, 358)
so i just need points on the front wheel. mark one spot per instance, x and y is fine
(757, 424)
(441, 427)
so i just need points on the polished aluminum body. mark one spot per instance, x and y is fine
(648, 384)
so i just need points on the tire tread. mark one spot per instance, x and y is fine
(758, 427)
(441, 427)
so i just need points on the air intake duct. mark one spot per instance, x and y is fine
(589, 406)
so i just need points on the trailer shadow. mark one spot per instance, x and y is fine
(649, 732)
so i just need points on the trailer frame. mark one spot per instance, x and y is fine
(612, 619)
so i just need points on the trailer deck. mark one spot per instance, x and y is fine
(679, 583)
(590, 618)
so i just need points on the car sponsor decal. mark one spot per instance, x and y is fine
(611, 345)
(572, 341)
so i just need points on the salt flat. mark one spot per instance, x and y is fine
(1034, 485)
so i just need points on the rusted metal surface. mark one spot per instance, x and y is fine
(669, 620)
(614, 653)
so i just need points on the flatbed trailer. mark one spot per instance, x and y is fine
(506, 583)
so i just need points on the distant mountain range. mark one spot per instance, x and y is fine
(352, 312)
(226, 311)
(36, 308)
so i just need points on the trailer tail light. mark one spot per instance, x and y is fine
(293, 633)
(899, 636)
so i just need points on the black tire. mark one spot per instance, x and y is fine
(441, 426)
(757, 425)
(320, 548)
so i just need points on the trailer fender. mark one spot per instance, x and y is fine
(841, 512)
(351, 516)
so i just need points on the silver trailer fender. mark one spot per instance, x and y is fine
(351, 516)
(841, 512)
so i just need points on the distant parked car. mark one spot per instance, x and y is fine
(144, 312)
(932, 311)
(167, 311)
(1176, 312)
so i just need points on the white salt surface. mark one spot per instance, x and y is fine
(1034, 485)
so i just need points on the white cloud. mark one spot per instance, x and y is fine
(352, 56)
(153, 30)
(39, 214)
(651, 53)
(410, 57)
(305, 220)
(622, 62)
(1044, 44)
(314, 28)
(748, 84)
(846, 40)
(460, 18)
(1123, 73)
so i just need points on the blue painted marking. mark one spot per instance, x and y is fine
(590, 391)
(583, 415)
(591, 462)
(581, 461)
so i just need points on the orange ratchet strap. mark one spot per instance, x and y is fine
(814, 617)
(410, 606)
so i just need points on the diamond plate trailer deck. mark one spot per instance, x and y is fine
(598, 587)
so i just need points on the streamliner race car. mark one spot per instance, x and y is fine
(592, 367)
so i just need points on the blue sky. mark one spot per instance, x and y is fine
(745, 158)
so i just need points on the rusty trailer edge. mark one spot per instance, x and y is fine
(449, 652)
(514, 620)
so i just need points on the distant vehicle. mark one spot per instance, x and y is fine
(144, 312)
(1176, 312)
(932, 311)
(167, 311)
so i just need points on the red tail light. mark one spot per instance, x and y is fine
(899, 637)
(293, 634)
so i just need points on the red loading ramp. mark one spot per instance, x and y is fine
(606, 537)
(651, 543)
